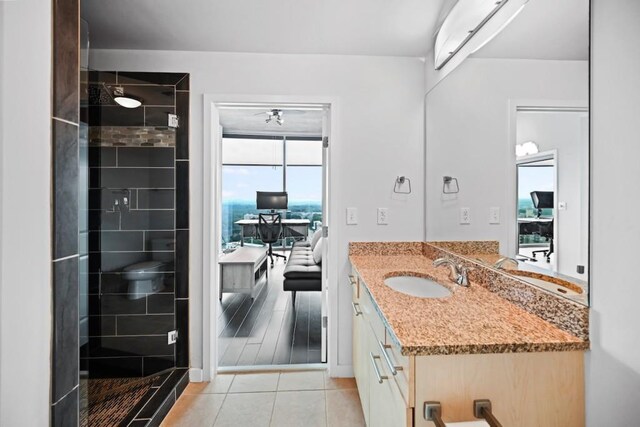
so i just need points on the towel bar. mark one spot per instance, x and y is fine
(482, 409)
(433, 412)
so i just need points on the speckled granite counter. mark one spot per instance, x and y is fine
(471, 320)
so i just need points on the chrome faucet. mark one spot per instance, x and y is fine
(500, 263)
(459, 273)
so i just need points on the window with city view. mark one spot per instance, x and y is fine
(253, 164)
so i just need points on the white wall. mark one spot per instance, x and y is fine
(468, 137)
(380, 136)
(566, 132)
(25, 230)
(613, 365)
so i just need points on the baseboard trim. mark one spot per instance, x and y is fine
(341, 371)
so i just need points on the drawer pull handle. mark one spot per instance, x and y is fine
(352, 280)
(355, 306)
(379, 376)
(383, 348)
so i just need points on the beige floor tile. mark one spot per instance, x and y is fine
(338, 383)
(246, 410)
(344, 409)
(299, 408)
(194, 410)
(248, 383)
(220, 384)
(307, 380)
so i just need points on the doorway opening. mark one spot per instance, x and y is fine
(272, 202)
(536, 183)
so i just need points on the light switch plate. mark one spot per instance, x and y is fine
(352, 216)
(173, 121)
(465, 215)
(494, 215)
(383, 216)
(172, 337)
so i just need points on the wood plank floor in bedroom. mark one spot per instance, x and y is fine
(268, 330)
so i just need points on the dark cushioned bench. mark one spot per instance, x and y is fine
(301, 272)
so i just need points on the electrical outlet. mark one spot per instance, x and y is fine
(172, 337)
(352, 216)
(383, 216)
(494, 215)
(465, 215)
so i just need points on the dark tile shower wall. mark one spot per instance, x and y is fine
(133, 155)
(65, 157)
(121, 326)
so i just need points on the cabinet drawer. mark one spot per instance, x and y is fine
(371, 315)
(402, 365)
(387, 407)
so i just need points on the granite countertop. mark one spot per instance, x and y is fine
(472, 320)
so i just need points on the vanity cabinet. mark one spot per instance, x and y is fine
(383, 403)
(526, 389)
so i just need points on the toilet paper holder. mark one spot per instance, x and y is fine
(481, 409)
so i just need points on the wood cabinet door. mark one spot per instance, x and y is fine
(386, 405)
(360, 354)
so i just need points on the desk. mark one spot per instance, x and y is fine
(295, 228)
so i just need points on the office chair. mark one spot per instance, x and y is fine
(544, 200)
(270, 231)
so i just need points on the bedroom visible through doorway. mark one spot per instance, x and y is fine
(272, 201)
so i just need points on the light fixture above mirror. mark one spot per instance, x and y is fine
(462, 24)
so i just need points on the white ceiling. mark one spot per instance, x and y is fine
(349, 27)
(297, 122)
(545, 29)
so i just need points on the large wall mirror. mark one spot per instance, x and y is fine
(509, 129)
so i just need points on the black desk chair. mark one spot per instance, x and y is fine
(544, 200)
(545, 229)
(270, 231)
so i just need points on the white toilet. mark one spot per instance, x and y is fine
(144, 278)
(147, 277)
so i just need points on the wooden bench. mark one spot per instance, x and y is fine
(241, 271)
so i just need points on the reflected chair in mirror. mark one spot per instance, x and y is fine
(270, 231)
(544, 200)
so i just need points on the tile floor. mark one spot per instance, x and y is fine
(279, 399)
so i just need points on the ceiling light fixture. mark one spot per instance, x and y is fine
(527, 148)
(276, 115)
(126, 101)
(464, 21)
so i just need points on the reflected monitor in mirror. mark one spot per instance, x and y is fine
(542, 200)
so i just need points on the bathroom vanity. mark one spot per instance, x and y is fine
(472, 344)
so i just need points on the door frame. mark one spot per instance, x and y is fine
(211, 218)
(551, 155)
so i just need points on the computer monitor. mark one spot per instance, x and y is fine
(272, 200)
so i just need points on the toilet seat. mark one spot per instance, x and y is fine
(142, 266)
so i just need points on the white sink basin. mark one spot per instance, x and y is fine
(417, 287)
